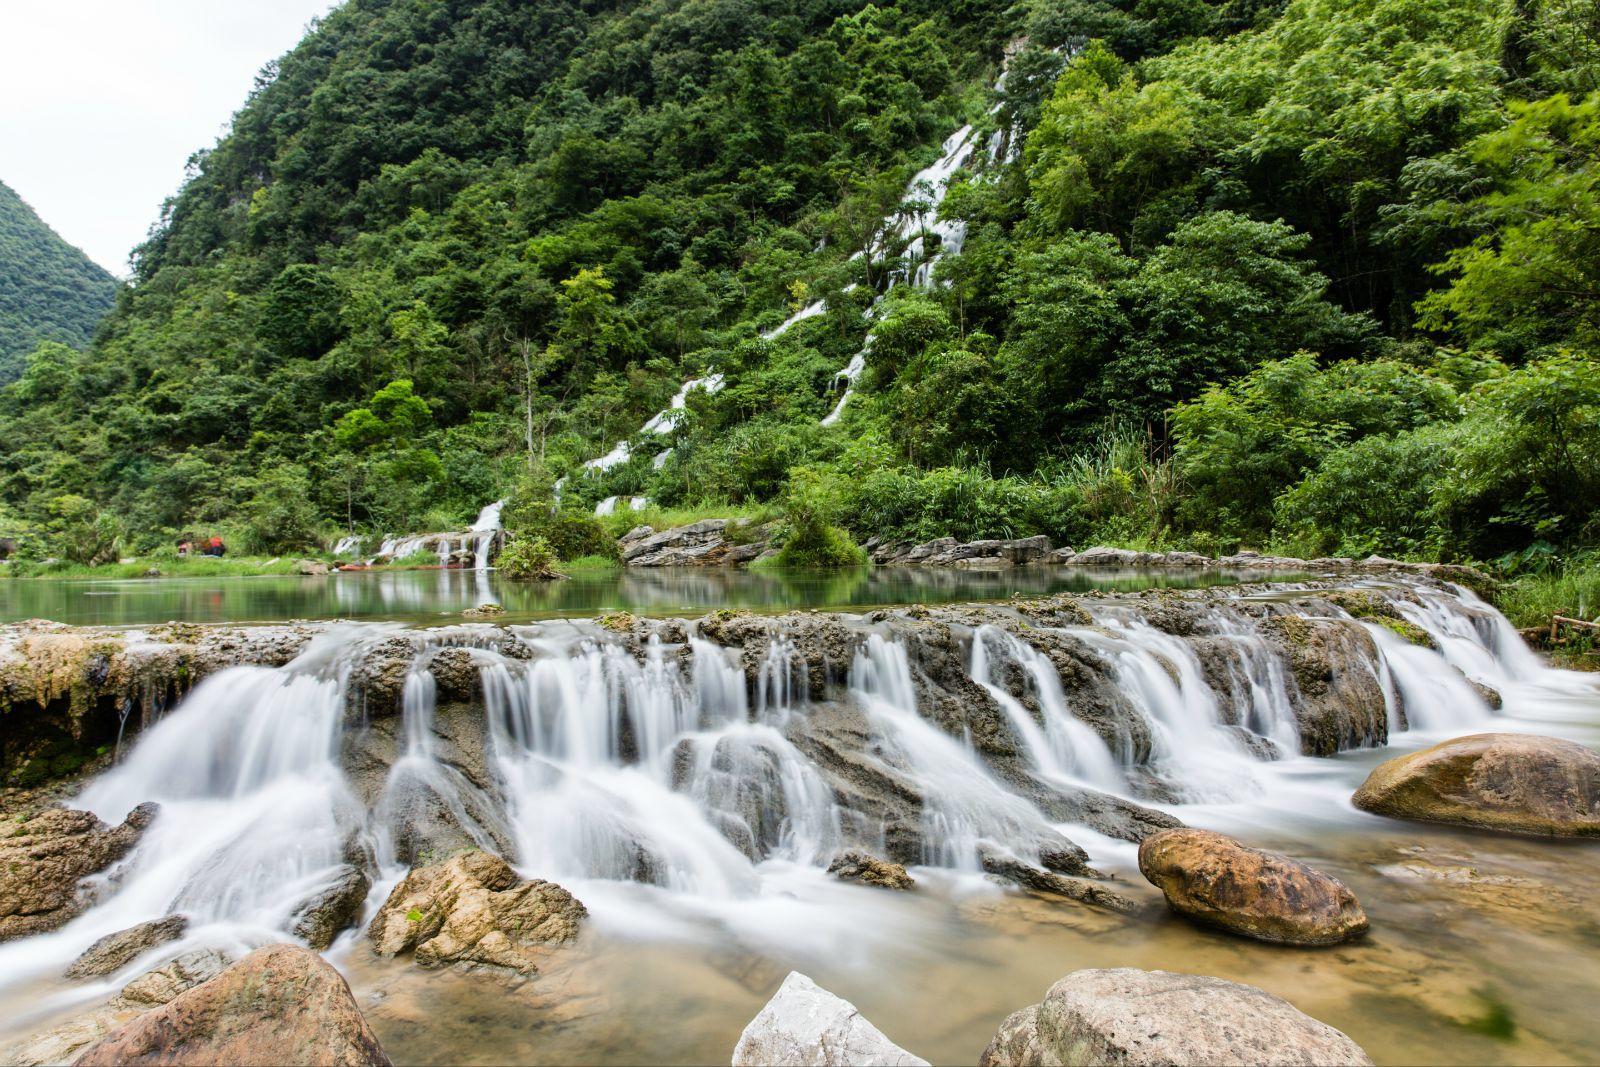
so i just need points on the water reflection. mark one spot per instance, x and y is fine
(426, 594)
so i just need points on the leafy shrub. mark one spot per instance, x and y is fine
(1375, 495)
(528, 558)
(811, 506)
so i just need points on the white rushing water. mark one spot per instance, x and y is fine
(675, 793)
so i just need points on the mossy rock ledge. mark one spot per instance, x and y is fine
(1513, 783)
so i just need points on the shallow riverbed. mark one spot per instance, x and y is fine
(1484, 949)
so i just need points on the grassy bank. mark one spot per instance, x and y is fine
(1570, 590)
(190, 567)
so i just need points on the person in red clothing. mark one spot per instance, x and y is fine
(215, 547)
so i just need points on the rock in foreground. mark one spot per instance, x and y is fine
(1133, 1017)
(280, 1004)
(804, 1024)
(43, 860)
(1512, 782)
(474, 909)
(1216, 880)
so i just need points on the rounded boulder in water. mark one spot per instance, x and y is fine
(1128, 1016)
(1213, 879)
(1516, 783)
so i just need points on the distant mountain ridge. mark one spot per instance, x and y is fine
(49, 290)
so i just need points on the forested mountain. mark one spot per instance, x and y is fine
(1320, 275)
(49, 290)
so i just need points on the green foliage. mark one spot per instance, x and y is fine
(528, 558)
(1525, 469)
(49, 291)
(81, 532)
(1200, 298)
(812, 506)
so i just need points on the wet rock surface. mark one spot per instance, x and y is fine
(114, 951)
(334, 908)
(44, 858)
(1134, 1017)
(1213, 879)
(854, 866)
(474, 909)
(1515, 783)
(280, 1004)
(805, 1024)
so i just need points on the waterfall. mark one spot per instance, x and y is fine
(487, 526)
(661, 424)
(685, 783)
(964, 807)
(1065, 748)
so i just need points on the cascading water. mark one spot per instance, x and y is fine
(1065, 747)
(677, 788)
(486, 529)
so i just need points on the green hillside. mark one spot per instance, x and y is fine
(49, 291)
(1318, 276)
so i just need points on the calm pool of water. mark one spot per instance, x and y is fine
(426, 595)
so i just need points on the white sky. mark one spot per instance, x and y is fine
(103, 101)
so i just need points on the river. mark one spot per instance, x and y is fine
(1483, 947)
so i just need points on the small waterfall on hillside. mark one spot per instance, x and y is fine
(486, 528)
(697, 781)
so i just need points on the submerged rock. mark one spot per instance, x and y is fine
(1084, 890)
(280, 1004)
(1128, 1016)
(1216, 880)
(804, 1024)
(44, 858)
(474, 909)
(116, 950)
(855, 866)
(1511, 782)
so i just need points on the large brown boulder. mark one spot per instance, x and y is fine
(279, 1005)
(1131, 1017)
(1517, 783)
(474, 909)
(1214, 879)
(43, 859)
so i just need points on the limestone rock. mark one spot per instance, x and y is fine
(60, 1043)
(116, 950)
(331, 909)
(804, 1025)
(1131, 1017)
(856, 866)
(1041, 880)
(698, 544)
(280, 1004)
(474, 909)
(1216, 880)
(311, 568)
(44, 858)
(1512, 782)
(1338, 698)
